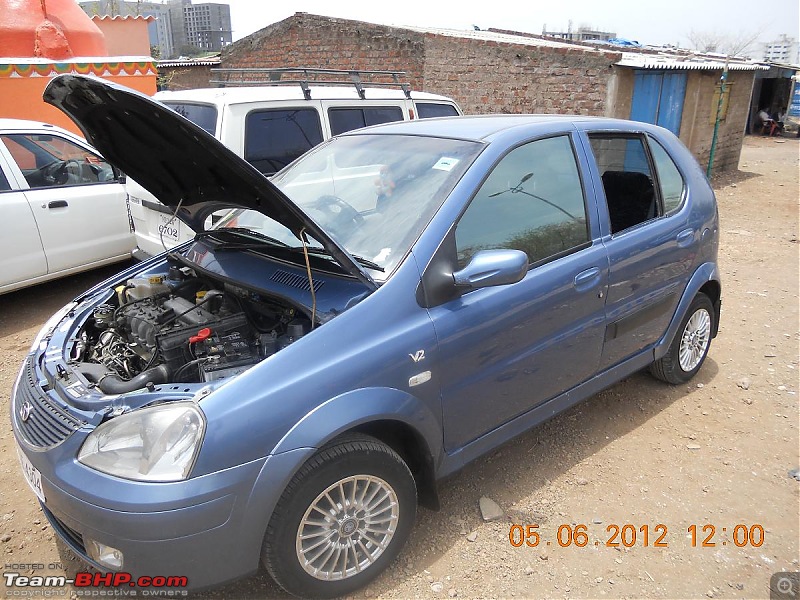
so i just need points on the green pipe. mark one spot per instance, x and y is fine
(722, 81)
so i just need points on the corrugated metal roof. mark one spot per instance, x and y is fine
(495, 36)
(685, 63)
(201, 62)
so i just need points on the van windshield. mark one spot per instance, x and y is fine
(373, 194)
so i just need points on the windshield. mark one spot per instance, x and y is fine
(373, 194)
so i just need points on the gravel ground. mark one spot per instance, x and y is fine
(716, 452)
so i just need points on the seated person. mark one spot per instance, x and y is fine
(766, 121)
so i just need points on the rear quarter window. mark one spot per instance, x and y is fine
(669, 177)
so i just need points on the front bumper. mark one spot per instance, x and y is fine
(209, 529)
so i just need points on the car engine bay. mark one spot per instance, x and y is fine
(181, 327)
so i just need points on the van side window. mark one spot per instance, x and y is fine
(347, 119)
(627, 180)
(274, 138)
(202, 115)
(427, 110)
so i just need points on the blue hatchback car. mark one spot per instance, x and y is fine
(288, 386)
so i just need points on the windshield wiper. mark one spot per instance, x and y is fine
(324, 252)
(241, 232)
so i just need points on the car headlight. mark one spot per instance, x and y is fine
(51, 325)
(150, 444)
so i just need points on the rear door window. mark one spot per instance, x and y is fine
(202, 115)
(273, 138)
(427, 110)
(627, 179)
(347, 119)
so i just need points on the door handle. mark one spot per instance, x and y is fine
(57, 204)
(587, 279)
(685, 238)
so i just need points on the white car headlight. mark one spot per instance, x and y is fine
(150, 444)
(51, 325)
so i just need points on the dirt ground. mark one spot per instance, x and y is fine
(717, 451)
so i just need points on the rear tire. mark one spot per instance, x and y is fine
(342, 519)
(689, 348)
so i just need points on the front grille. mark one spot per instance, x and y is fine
(295, 281)
(46, 424)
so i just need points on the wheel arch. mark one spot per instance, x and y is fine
(705, 279)
(412, 448)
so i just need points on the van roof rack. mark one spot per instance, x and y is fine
(274, 76)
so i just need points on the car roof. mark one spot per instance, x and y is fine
(247, 94)
(7, 124)
(484, 127)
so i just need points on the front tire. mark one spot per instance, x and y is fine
(689, 348)
(342, 519)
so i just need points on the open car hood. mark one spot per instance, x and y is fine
(182, 165)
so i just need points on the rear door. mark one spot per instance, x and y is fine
(650, 241)
(21, 252)
(76, 198)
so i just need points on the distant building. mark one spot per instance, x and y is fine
(784, 50)
(205, 26)
(178, 24)
(582, 34)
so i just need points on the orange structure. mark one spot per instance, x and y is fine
(40, 39)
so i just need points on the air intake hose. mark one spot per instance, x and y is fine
(114, 384)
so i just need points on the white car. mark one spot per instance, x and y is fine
(63, 208)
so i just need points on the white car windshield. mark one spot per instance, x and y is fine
(373, 194)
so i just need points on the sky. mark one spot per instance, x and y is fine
(655, 23)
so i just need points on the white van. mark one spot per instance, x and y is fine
(275, 122)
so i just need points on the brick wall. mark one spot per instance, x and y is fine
(305, 40)
(482, 76)
(491, 76)
(495, 77)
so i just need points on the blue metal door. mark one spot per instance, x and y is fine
(658, 98)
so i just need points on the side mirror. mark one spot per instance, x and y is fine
(492, 267)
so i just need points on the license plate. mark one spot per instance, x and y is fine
(168, 227)
(32, 475)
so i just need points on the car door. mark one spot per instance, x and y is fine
(76, 198)
(650, 241)
(506, 349)
(21, 252)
